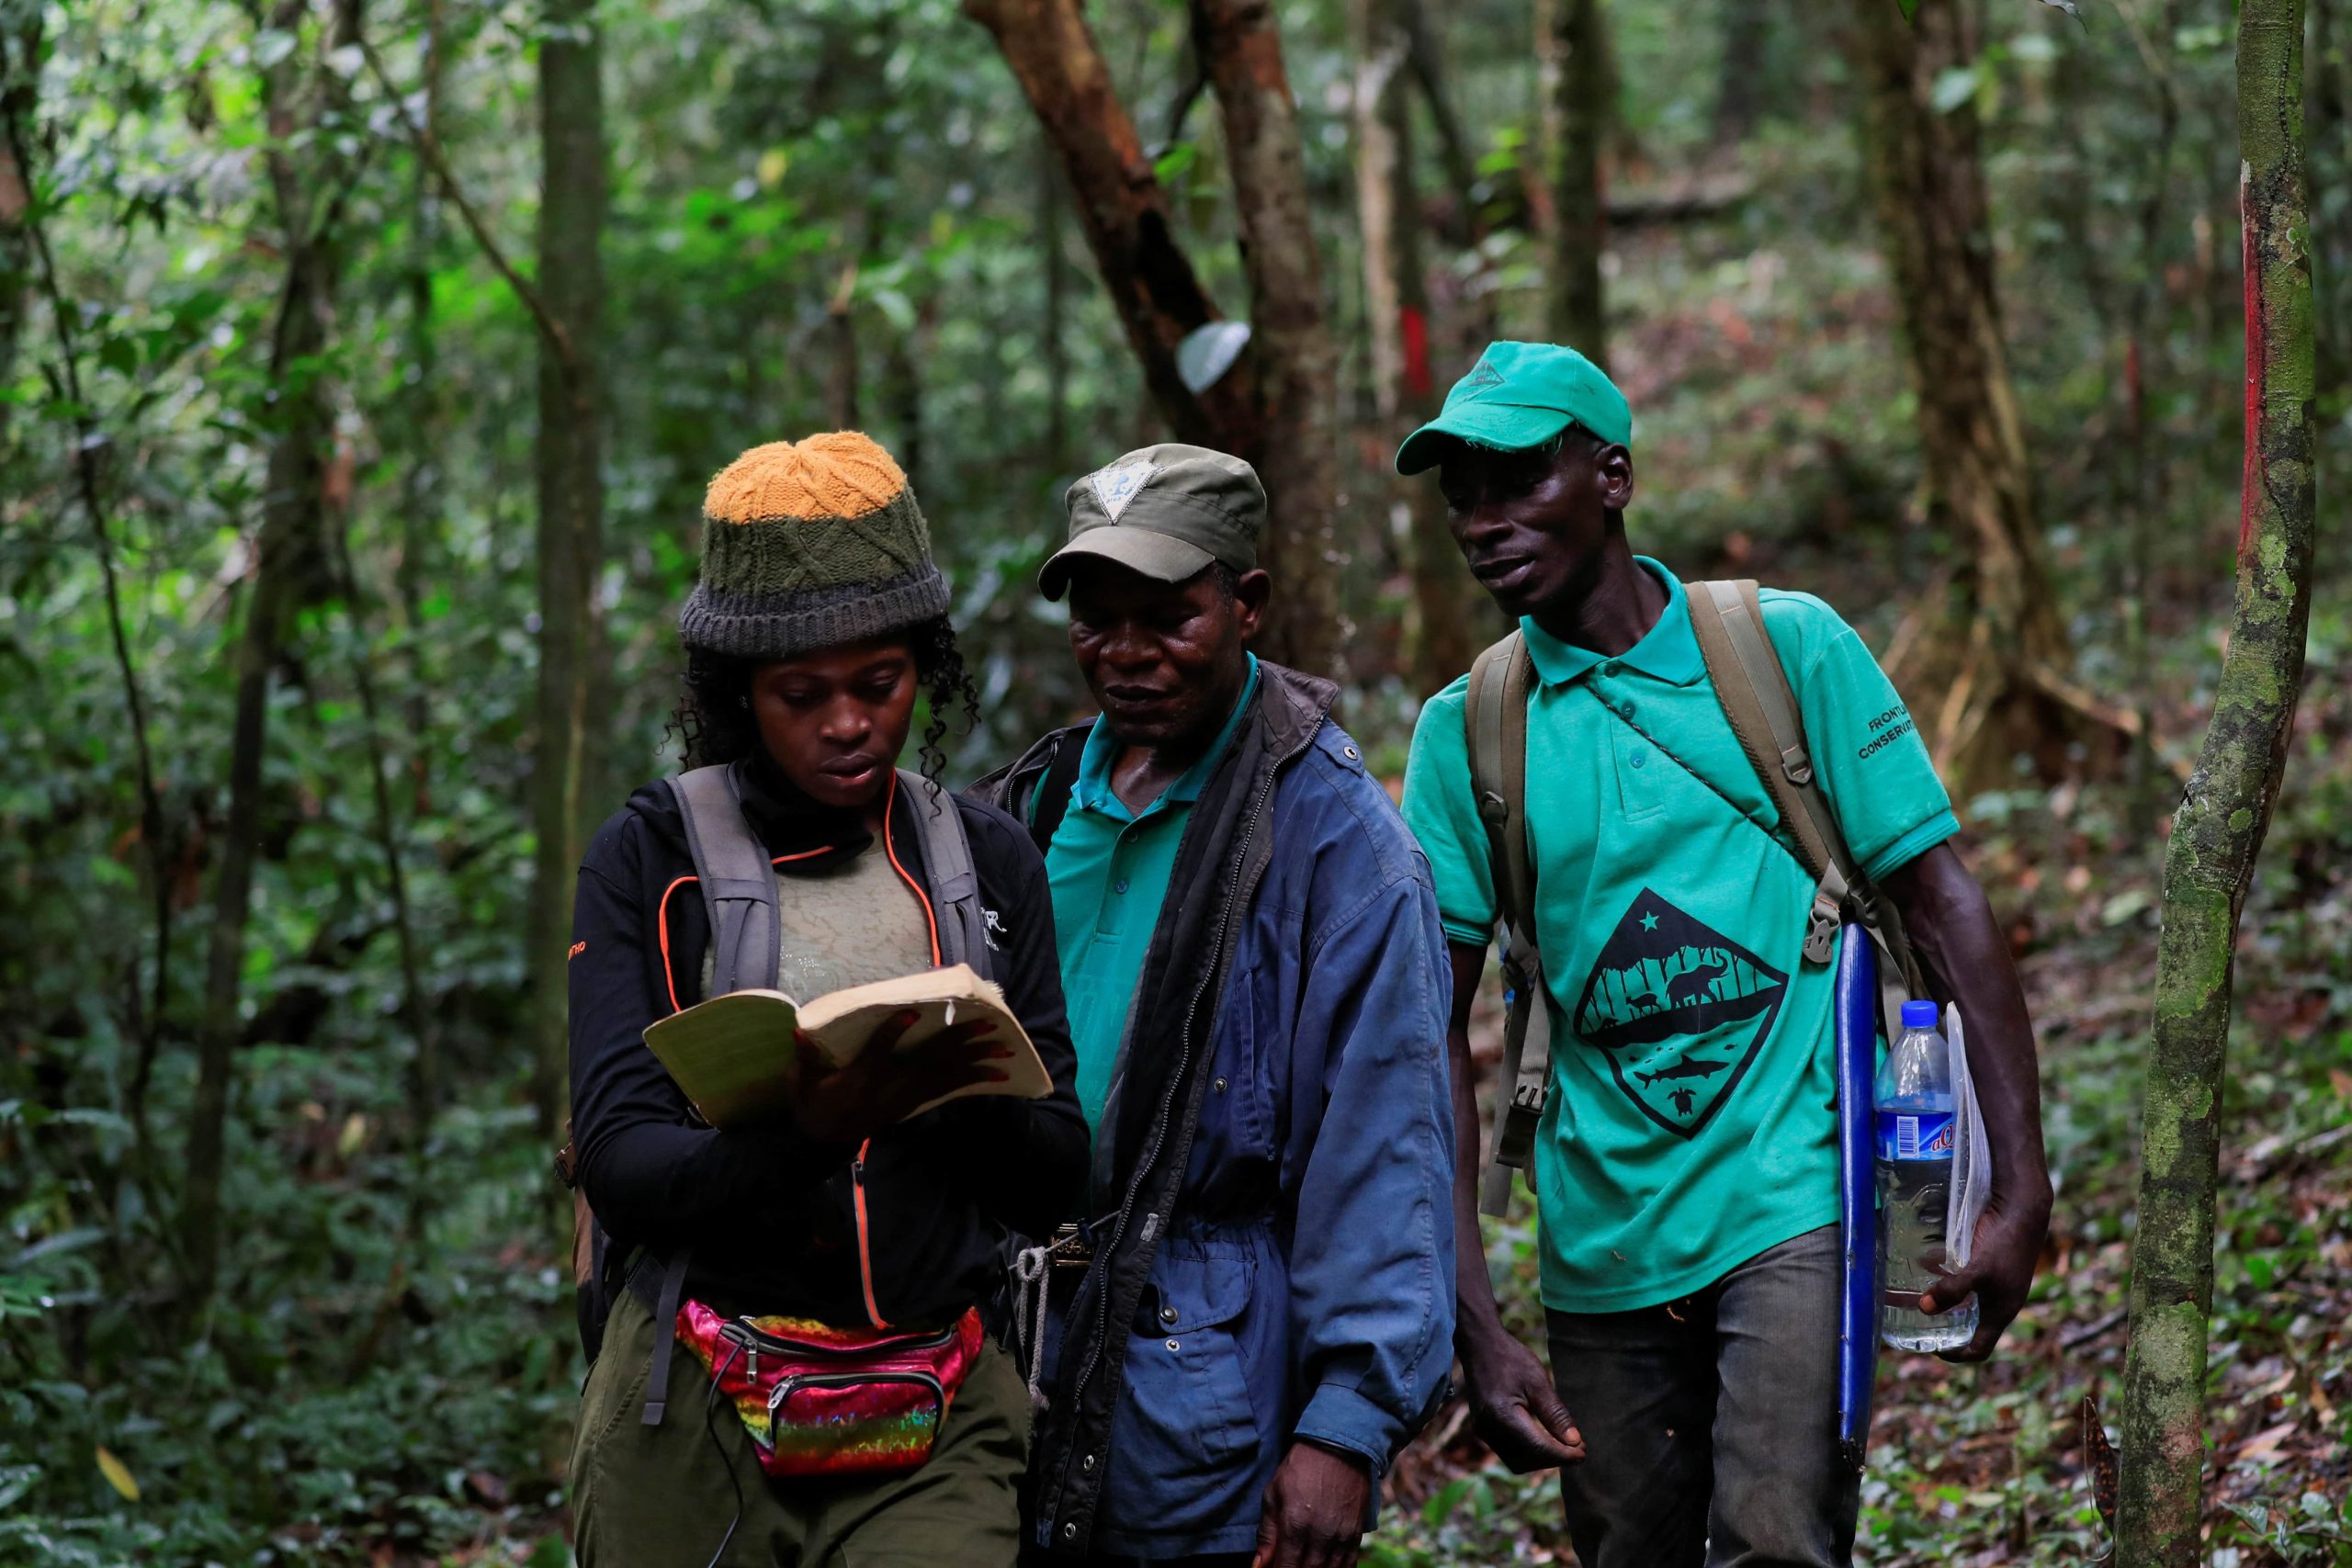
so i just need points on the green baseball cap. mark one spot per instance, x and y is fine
(1521, 395)
(1166, 512)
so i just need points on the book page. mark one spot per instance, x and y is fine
(843, 1022)
(733, 1054)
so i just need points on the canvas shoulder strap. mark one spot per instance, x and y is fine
(737, 879)
(1496, 718)
(1752, 686)
(955, 885)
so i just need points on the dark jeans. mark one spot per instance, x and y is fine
(1711, 1423)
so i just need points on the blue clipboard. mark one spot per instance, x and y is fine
(1855, 1007)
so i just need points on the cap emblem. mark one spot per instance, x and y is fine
(1482, 375)
(1117, 486)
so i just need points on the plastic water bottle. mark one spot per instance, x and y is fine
(1916, 1130)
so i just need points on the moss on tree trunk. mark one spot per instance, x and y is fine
(2218, 831)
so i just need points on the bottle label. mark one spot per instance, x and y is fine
(1914, 1134)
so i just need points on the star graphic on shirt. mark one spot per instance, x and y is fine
(1649, 922)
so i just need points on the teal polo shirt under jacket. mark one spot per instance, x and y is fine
(1108, 868)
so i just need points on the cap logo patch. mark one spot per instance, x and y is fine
(1118, 486)
(1482, 375)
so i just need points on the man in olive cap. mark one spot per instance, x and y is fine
(1255, 1311)
(1685, 1160)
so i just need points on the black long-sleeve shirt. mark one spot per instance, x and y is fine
(769, 1213)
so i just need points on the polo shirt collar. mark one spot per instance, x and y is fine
(1668, 651)
(1091, 791)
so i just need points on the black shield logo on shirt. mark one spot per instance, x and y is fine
(1680, 1010)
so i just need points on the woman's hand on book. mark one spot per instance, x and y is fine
(876, 1088)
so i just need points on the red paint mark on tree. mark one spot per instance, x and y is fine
(1413, 325)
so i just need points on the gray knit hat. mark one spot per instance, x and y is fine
(809, 544)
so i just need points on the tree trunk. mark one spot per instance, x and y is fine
(1573, 63)
(1054, 266)
(1442, 633)
(291, 570)
(1275, 406)
(1296, 379)
(1123, 209)
(572, 506)
(1999, 652)
(2218, 831)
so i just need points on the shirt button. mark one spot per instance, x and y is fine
(1121, 886)
(1626, 708)
(1640, 756)
(1612, 670)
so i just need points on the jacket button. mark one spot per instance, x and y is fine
(1167, 1315)
(1173, 1345)
(1218, 1086)
(1349, 753)
(1070, 1531)
(1087, 1464)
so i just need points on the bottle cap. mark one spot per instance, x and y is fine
(1918, 1015)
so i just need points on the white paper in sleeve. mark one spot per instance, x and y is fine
(1971, 1154)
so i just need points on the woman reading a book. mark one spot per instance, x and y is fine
(799, 1363)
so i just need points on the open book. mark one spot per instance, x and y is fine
(734, 1059)
(1971, 1151)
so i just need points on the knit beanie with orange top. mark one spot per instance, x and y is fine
(809, 544)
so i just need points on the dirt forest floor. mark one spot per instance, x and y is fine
(1985, 1466)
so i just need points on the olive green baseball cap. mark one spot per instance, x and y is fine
(1521, 395)
(1166, 512)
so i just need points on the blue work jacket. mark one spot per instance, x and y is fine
(1287, 1046)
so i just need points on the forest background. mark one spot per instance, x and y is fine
(360, 371)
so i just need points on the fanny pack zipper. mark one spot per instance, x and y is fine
(786, 1387)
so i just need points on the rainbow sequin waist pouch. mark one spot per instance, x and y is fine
(820, 1401)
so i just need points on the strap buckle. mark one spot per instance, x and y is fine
(1821, 928)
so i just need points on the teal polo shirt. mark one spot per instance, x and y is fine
(1108, 868)
(1692, 1122)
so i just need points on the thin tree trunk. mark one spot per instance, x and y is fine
(1442, 633)
(290, 570)
(1297, 367)
(1052, 216)
(2218, 831)
(571, 502)
(1573, 58)
(1425, 56)
(2000, 655)
(1743, 77)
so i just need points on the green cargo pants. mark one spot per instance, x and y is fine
(660, 1496)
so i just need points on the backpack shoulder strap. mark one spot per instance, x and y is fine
(1048, 800)
(1752, 686)
(1495, 719)
(1496, 715)
(737, 880)
(955, 885)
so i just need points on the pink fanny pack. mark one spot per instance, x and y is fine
(823, 1400)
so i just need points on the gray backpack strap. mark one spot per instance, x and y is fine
(955, 885)
(737, 882)
(1495, 716)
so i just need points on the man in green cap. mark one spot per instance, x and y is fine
(1684, 1162)
(1256, 1309)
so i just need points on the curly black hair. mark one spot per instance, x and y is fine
(712, 722)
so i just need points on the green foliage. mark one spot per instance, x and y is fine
(389, 1370)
